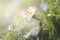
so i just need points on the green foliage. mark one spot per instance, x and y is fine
(12, 35)
(9, 35)
(51, 24)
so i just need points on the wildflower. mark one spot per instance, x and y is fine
(43, 6)
(10, 27)
(29, 13)
(32, 32)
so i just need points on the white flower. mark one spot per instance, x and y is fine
(29, 13)
(32, 32)
(43, 6)
(10, 27)
(27, 35)
(31, 10)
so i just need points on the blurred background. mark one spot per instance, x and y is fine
(17, 17)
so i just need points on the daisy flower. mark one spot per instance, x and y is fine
(29, 13)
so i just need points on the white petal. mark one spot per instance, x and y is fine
(10, 27)
(34, 32)
(28, 35)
